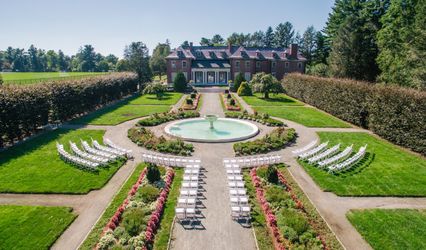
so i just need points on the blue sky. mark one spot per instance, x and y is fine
(110, 25)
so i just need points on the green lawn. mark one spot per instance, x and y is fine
(307, 116)
(35, 167)
(117, 114)
(387, 171)
(31, 227)
(169, 98)
(31, 77)
(274, 100)
(391, 229)
(129, 109)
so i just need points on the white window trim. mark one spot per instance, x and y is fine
(184, 63)
(247, 63)
(173, 64)
(258, 65)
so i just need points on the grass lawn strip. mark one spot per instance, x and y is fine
(93, 236)
(35, 167)
(169, 98)
(274, 100)
(391, 229)
(32, 227)
(307, 116)
(35, 77)
(388, 171)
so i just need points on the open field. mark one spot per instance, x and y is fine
(307, 116)
(31, 227)
(35, 167)
(274, 100)
(391, 229)
(132, 108)
(387, 171)
(33, 77)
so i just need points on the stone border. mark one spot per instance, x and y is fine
(254, 133)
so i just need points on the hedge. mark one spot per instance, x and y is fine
(394, 113)
(26, 108)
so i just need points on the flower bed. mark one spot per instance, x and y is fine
(191, 103)
(145, 138)
(289, 223)
(257, 117)
(277, 139)
(136, 221)
(229, 102)
(159, 118)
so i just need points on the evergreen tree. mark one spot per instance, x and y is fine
(185, 44)
(283, 36)
(308, 43)
(322, 49)
(418, 49)
(217, 40)
(137, 56)
(237, 81)
(394, 41)
(269, 37)
(179, 83)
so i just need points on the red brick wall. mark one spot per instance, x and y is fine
(178, 68)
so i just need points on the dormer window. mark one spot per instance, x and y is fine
(183, 64)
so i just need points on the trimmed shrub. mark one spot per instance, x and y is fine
(238, 80)
(394, 113)
(26, 108)
(232, 102)
(189, 101)
(134, 220)
(148, 193)
(244, 89)
(179, 83)
(272, 174)
(193, 95)
(153, 174)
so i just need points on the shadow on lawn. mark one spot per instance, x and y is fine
(360, 166)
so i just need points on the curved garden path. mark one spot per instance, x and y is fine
(217, 230)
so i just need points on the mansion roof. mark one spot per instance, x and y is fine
(217, 53)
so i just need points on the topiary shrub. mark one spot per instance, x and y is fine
(193, 95)
(189, 101)
(153, 174)
(272, 174)
(228, 96)
(147, 194)
(232, 102)
(238, 80)
(179, 83)
(244, 90)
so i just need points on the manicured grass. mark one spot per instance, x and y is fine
(35, 167)
(31, 227)
(387, 171)
(307, 116)
(258, 220)
(32, 77)
(169, 98)
(120, 113)
(391, 229)
(274, 100)
(94, 235)
(163, 233)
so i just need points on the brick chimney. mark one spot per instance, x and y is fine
(190, 45)
(293, 50)
(229, 47)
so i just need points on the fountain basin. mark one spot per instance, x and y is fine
(224, 130)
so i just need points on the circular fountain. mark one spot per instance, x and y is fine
(211, 128)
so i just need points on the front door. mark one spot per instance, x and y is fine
(199, 77)
(223, 77)
(211, 77)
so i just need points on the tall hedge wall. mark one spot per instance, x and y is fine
(24, 108)
(396, 114)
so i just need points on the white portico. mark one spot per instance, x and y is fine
(211, 72)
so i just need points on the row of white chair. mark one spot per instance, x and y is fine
(240, 208)
(109, 143)
(336, 158)
(348, 163)
(87, 156)
(305, 148)
(324, 154)
(252, 161)
(75, 160)
(98, 152)
(313, 151)
(167, 160)
(107, 149)
(187, 201)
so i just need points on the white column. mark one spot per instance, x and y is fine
(216, 74)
